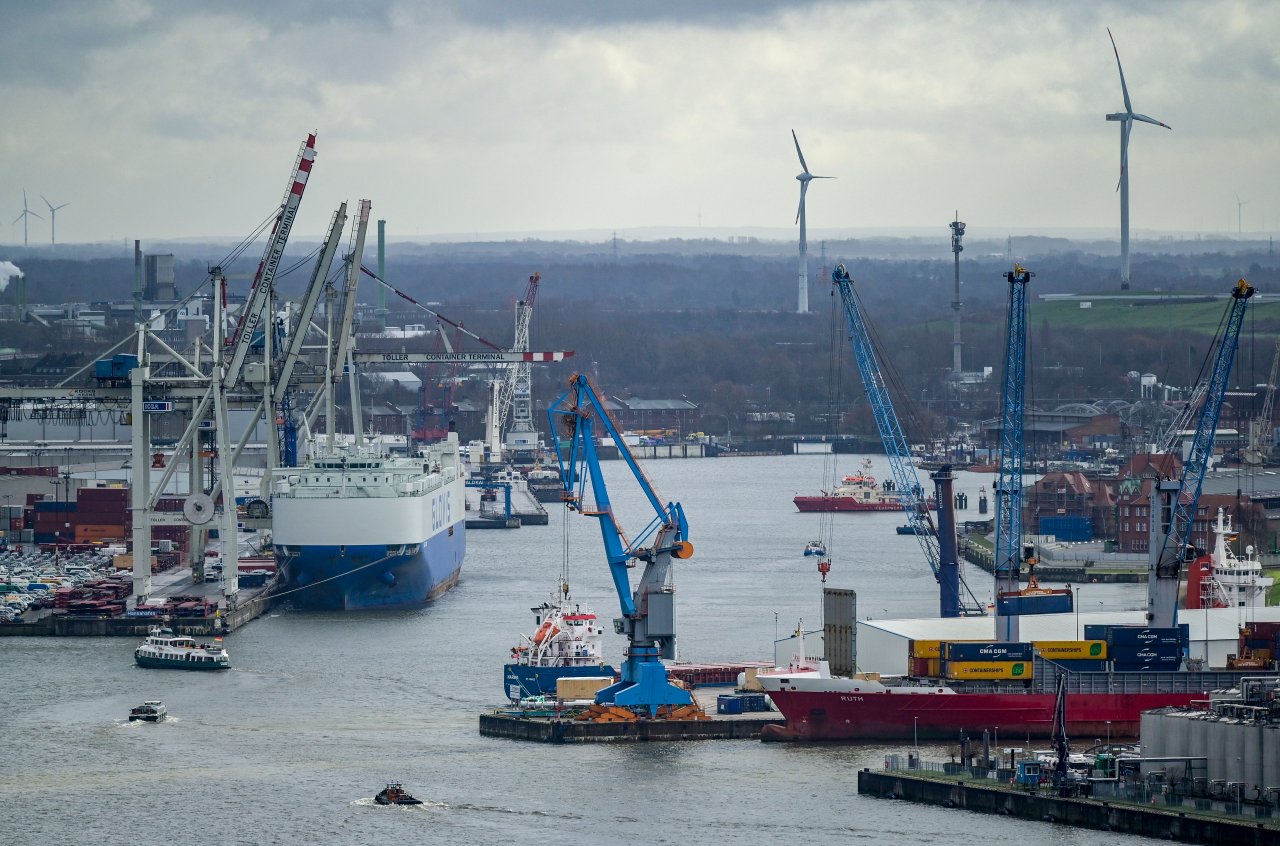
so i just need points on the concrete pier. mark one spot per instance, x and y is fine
(1044, 806)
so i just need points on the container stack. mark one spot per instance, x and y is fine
(1258, 647)
(987, 660)
(1139, 649)
(101, 514)
(924, 659)
(54, 521)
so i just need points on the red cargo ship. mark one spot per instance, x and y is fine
(818, 706)
(859, 492)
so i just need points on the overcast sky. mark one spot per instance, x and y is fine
(180, 119)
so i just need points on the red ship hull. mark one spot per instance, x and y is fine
(809, 504)
(814, 715)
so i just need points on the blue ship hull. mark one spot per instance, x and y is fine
(521, 680)
(358, 578)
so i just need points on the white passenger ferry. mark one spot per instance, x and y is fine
(165, 649)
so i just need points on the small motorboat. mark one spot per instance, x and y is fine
(816, 547)
(151, 711)
(395, 794)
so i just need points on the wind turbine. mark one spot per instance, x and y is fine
(1126, 118)
(53, 220)
(804, 176)
(26, 213)
(1239, 205)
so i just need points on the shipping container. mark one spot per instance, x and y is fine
(926, 668)
(986, 651)
(1055, 649)
(728, 704)
(987, 669)
(1035, 603)
(1119, 635)
(581, 687)
(1069, 529)
(1081, 665)
(924, 649)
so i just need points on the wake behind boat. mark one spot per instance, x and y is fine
(356, 528)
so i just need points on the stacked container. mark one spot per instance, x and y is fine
(102, 514)
(1137, 649)
(987, 660)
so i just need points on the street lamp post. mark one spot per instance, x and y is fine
(1077, 612)
(916, 737)
(1108, 733)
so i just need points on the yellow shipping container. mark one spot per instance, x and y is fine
(987, 670)
(925, 649)
(1066, 649)
(581, 687)
(124, 561)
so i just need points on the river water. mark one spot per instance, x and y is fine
(320, 710)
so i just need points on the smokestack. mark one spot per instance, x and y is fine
(137, 281)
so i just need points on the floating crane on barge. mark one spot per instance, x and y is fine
(648, 611)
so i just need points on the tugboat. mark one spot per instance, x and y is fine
(151, 711)
(395, 794)
(165, 649)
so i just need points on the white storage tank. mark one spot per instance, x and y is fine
(1270, 756)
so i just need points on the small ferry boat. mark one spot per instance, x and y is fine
(165, 649)
(815, 547)
(151, 711)
(395, 794)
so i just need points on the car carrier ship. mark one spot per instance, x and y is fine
(355, 528)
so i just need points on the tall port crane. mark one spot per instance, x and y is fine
(1008, 549)
(1173, 502)
(910, 493)
(648, 612)
(1259, 446)
(517, 392)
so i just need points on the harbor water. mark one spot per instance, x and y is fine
(321, 709)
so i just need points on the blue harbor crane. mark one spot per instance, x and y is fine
(946, 568)
(1008, 549)
(648, 612)
(1174, 501)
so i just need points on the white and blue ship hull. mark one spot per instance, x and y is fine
(357, 531)
(523, 681)
(356, 578)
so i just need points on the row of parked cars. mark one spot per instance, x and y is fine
(28, 579)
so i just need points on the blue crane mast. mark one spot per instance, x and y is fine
(1008, 549)
(910, 493)
(1173, 501)
(648, 612)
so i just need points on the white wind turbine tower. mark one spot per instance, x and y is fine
(1126, 118)
(53, 220)
(26, 213)
(1239, 205)
(804, 176)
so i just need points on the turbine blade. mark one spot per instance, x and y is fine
(19, 217)
(46, 202)
(63, 206)
(804, 186)
(1146, 119)
(803, 166)
(33, 214)
(1124, 89)
(811, 176)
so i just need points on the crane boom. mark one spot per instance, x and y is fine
(309, 301)
(260, 292)
(648, 612)
(1260, 429)
(1008, 548)
(910, 493)
(1174, 503)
